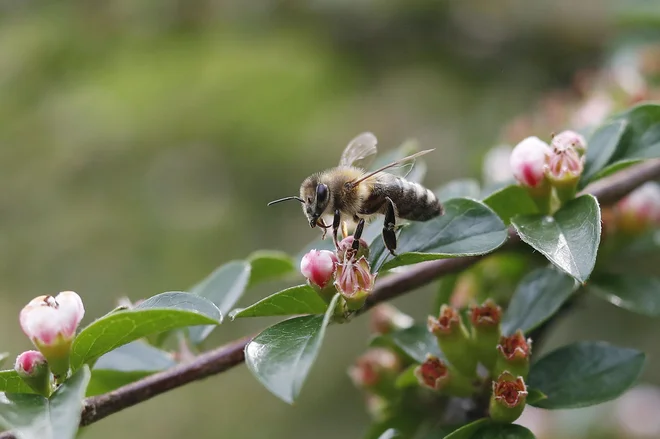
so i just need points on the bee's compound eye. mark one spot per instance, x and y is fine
(321, 193)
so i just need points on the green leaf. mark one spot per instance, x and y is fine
(268, 265)
(511, 201)
(446, 287)
(469, 431)
(467, 228)
(106, 380)
(292, 301)
(223, 287)
(535, 395)
(390, 433)
(486, 429)
(407, 378)
(35, 417)
(603, 146)
(462, 188)
(282, 355)
(584, 374)
(569, 239)
(10, 382)
(636, 293)
(644, 141)
(415, 342)
(159, 313)
(538, 297)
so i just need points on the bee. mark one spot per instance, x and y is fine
(349, 194)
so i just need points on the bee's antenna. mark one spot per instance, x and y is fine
(286, 199)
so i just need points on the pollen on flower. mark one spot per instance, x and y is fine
(515, 347)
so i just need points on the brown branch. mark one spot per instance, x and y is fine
(213, 362)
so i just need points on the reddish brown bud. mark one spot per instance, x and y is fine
(513, 354)
(376, 368)
(448, 322)
(509, 391)
(487, 315)
(432, 373)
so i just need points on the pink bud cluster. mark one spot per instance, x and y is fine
(534, 163)
(347, 272)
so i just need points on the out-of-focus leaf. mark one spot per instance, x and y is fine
(569, 239)
(35, 417)
(602, 146)
(107, 380)
(10, 382)
(268, 265)
(407, 378)
(3, 357)
(159, 313)
(538, 297)
(584, 374)
(511, 201)
(487, 429)
(467, 228)
(415, 342)
(301, 299)
(390, 433)
(282, 355)
(636, 293)
(468, 431)
(223, 287)
(462, 188)
(535, 395)
(446, 286)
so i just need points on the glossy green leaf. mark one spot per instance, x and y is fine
(282, 355)
(636, 293)
(267, 265)
(301, 299)
(467, 228)
(644, 141)
(407, 378)
(159, 313)
(511, 201)
(223, 287)
(415, 342)
(584, 374)
(35, 417)
(535, 395)
(469, 431)
(106, 380)
(462, 188)
(10, 382)
(602, 147)
(486, 429)
(569, 239)
(538, 297)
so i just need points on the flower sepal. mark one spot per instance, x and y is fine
(508, 399)
(453, 340)
(33, 369)
(486, 331)
(354, 281)
(439, 376)
(513, 354)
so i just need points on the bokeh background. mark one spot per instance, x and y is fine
(141, 140)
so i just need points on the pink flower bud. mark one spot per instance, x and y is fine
(28, 363)
(486, 316)
(32, 367)
(376, 368)
(51, 323)
(47, 319)
(528, 161)
(564, 166)
(569, 140)
(355, 281)
(432, 373)
(318, 267)
(513, 354)
(639, 210)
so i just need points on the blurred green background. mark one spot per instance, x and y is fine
(141, 140)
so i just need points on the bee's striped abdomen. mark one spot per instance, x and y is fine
(413, 201)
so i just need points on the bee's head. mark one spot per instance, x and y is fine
(315, 197)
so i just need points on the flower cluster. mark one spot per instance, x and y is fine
(347, 271)
(539, 167)
(50, 322)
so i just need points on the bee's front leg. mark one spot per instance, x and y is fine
(389, 226)
(336, 221)
(358, 234)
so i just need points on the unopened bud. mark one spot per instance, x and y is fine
(51, 323)
(513, 354)
(386, 318)
(345, 249)
(640, 210)
(508, 399)
(32, 367)
(318, 267)
(355, 282)
(486, 330)
(439, 376)
(528, 163)
(376, 370)
(453, 339)
(564, 169)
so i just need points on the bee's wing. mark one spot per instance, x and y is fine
(360, 147)
(395, 164)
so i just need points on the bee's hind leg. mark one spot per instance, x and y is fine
(335, 227)
(389, 226)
